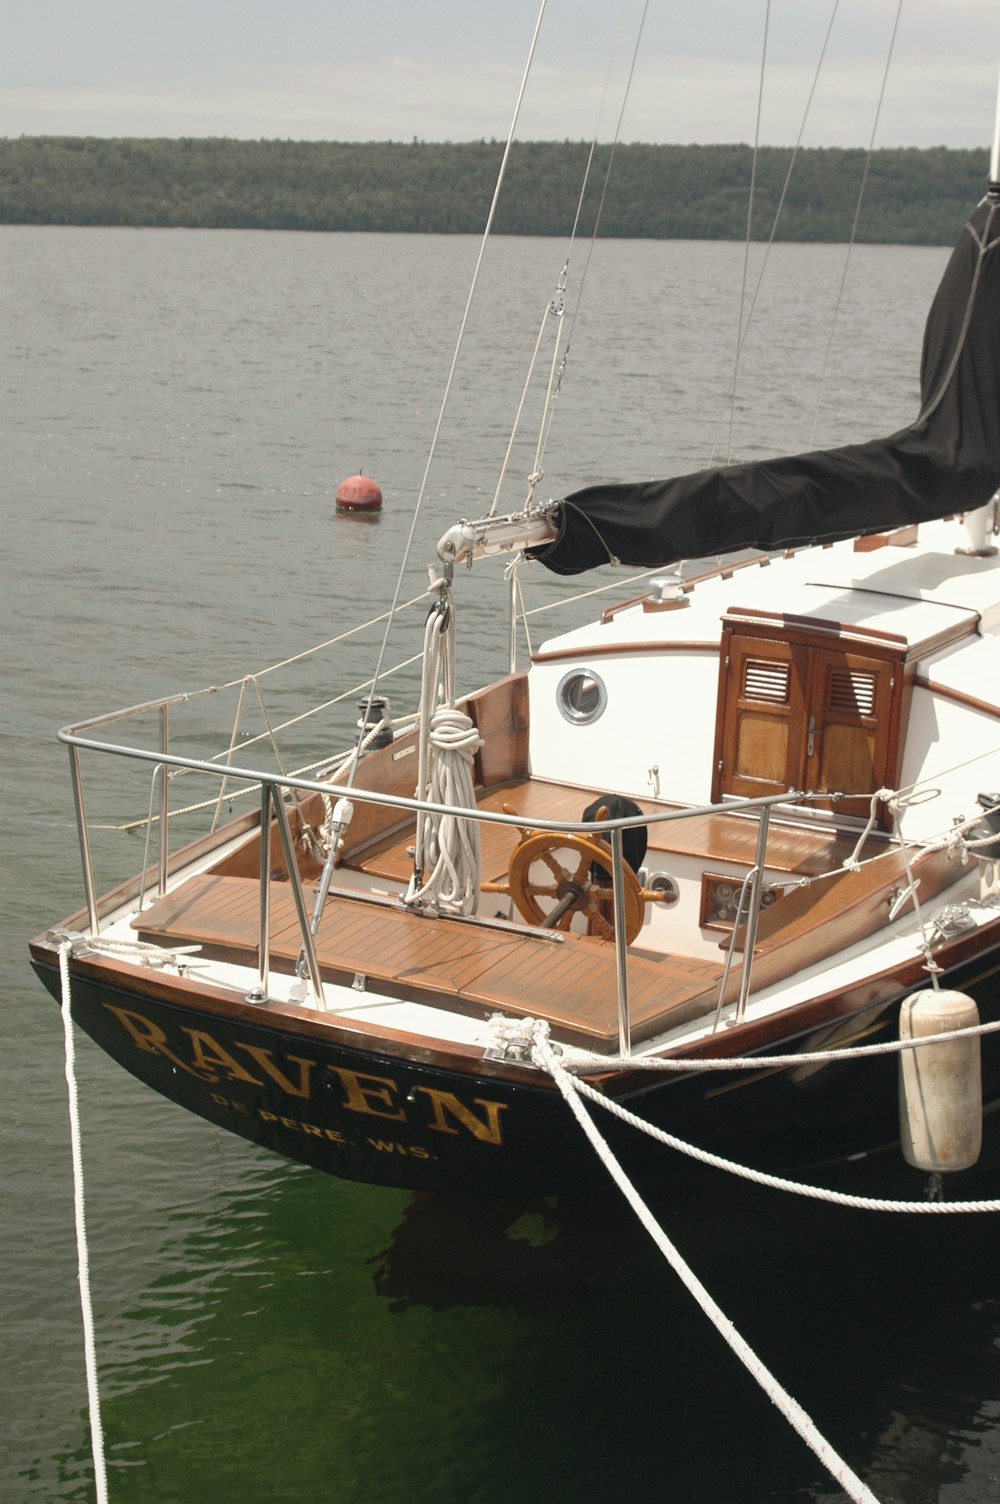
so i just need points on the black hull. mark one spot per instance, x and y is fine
(413, 1123)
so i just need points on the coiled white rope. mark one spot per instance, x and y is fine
(143, 952)
(446, 852)
(83, 1257)
(779, 1396)
(450, 844)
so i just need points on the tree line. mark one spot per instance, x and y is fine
(911, 196)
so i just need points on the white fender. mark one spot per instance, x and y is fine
(940, 1085)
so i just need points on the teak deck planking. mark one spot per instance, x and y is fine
(469, 968)
(807, 850)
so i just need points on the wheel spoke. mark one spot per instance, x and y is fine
(601, 925)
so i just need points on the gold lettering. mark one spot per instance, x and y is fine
(265, 1060)
(360, 1088)
(273, 1117)
(383, 1146)
(228, 1102)
(490, 1132)
(208, 1054)
(150, 1037)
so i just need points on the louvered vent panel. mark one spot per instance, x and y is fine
(852, 692)
(766, 681)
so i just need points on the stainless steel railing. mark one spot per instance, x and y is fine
(273, 786)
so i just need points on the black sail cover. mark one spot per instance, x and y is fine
(947, 461)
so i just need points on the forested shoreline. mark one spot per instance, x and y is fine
(912, 196)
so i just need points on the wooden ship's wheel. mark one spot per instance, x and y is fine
(563, 868)
(552, 877)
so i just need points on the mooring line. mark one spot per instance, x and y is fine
(790, 1408)
(83, 1256)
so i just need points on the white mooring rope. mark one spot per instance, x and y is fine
(789, 1407)
(582, 1060)
(777, 1182)
(83, 1258)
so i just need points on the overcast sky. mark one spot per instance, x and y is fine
(449, 69)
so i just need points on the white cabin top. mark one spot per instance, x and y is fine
(821, 641)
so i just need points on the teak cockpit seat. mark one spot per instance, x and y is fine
(471, 968)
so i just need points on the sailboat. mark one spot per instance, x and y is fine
(725, 854)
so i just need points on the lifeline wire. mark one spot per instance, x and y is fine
(454, 365)
(793, 1412)
(83, 1258)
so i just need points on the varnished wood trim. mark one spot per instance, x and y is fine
(201, 999)
(886, 987)
(745, 615)
(742, 617)
(500, 715)
(902, 537)
(958, 696)
(726, 571)
(604, 650)
(720, 572)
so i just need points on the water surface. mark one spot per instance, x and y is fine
(179, 408)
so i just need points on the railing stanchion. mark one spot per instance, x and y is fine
(259, 993)
(753, 914)
(621, 942)
(308, 940)
(164, 797)
(84, 837)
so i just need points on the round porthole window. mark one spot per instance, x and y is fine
(582, 696)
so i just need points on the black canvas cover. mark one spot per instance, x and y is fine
(947, 461)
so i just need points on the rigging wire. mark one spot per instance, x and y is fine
(854, 225)
(553, 396)
(555, 307)
(774, 224)
(746, 245)
(451, 371)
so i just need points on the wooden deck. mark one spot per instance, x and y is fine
(478, 968)
(467, 967)
(803, 849)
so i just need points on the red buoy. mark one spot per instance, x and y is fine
(358, 493)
